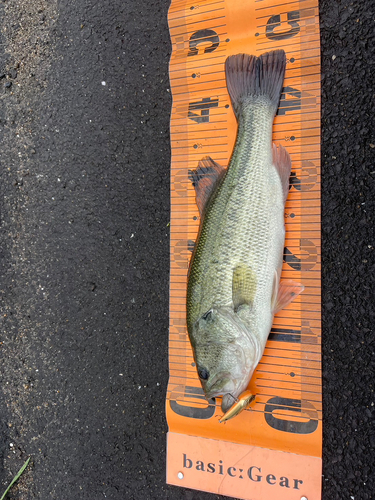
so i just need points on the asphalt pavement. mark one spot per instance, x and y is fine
(84, 249)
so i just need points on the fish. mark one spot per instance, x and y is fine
(234, 288)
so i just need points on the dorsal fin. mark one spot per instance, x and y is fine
(205, 179)
(281, 160)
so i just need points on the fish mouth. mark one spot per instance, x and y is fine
(224, 384)
(235, 396)
(220, 385)
(213, 394)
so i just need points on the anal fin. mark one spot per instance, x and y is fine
(205, 179)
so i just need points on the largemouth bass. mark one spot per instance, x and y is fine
(234, 286)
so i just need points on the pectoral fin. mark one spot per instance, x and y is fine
(205, 180)
(284, 293)
(244, 286)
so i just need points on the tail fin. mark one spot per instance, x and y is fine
(251, 76)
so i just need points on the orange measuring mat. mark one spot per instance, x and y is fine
(273, 448)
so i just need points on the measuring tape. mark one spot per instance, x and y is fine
(277, 443)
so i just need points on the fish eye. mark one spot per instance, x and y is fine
(203, 373)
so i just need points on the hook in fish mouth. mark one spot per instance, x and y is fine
(240, 404)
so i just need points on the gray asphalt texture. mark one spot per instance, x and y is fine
(84, 249)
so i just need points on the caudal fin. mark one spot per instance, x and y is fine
(250, 77)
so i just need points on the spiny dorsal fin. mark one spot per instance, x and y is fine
(205, 179)
(281, 160)
(244, 286)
